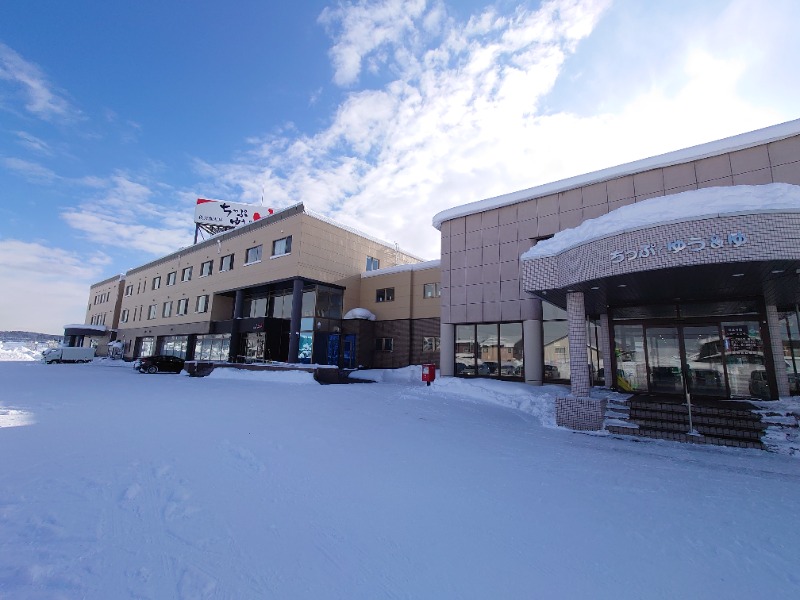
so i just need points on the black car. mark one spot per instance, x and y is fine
(160, 364)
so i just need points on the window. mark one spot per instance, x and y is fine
(156, 282)
(201, 305)
(183, 306)
(384, 295)
(384, 344)
(151, 312)
(253, 255)
(226, 263)
(174, 345)
(186, 274)
(129, 290)
(430, 344)
(124, 316)
(166, 311)
(282, 246)
(373, 264)
(212, 346)
(171, 278)
(205, 268)
(431, 290)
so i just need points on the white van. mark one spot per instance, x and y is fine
(68, 354)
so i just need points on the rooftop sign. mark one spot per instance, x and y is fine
(227, 214)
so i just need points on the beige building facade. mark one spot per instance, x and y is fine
(273, 290)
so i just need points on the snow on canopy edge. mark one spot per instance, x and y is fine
(714, 148)
(87, 326)
(685, 206)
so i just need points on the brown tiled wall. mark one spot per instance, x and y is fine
(480, 252)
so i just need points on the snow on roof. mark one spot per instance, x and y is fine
(691, 205)
(359, 313)
(730, 144)
(420, 266)
(85, 326)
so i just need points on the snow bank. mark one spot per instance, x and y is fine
(284, 376)
(13, 351)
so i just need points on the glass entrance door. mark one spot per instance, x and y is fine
(664, 364)
(704, 359)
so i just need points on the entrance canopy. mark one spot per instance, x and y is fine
(702, 245)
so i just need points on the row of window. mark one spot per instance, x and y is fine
(200, 306)
(100, 298)
(280, 247)
(98, 319)
(386, 344)
(429, 290)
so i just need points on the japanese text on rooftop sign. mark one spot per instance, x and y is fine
(677, 246)
(227, 214)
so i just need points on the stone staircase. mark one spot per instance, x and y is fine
(722, 423)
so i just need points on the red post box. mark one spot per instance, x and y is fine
(428, 373)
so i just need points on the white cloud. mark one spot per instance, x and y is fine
(33, 143)
(122, 212)
(362, 28)
(42, 98)
(470, 112)
(33, 172)
(44, 287)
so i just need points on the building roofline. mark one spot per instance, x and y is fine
(114, 278)
(717, 147)
(421, 266)
(279, 215)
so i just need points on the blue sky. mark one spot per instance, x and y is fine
(115, 117)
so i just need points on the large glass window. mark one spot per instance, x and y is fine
(329, 302)
(790, 338)
(174, 345)
(146, 346)
(255, 306)
(489, 350)
(631, 373)
(281, 305)
(213, 347)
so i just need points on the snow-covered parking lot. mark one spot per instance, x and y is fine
(117, 485)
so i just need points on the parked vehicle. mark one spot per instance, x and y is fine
(551, 372)
(159, 364)
(68, 354)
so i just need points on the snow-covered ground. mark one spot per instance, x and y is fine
(115, 484)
